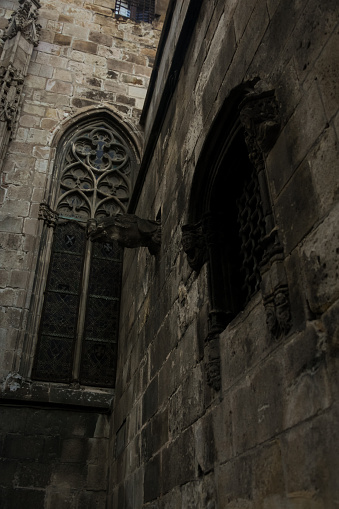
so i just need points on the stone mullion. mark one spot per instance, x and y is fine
(20, 38)
(82, 313)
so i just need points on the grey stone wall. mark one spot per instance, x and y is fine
(52, 458)
(269, 437)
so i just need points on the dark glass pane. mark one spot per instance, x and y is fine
(251, 232)
(57, 332)
(98, 361)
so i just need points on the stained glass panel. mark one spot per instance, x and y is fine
(94, 181)
(102, 316)
(59, 318)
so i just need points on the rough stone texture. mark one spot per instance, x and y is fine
(269, 438)
(253, 445)
(48, 457)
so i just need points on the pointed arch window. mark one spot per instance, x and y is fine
(78, 332)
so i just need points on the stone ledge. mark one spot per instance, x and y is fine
(16, 390)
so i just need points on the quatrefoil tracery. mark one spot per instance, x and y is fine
(95, 179)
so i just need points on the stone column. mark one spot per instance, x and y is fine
(20, 37)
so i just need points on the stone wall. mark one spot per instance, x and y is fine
(52, 458)
(86, 58)
(268, 438)
(54, 438)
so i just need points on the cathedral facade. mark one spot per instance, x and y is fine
(169, 254)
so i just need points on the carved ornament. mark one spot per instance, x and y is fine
(278, 313)
(11, 83)
(128, 230)
(194, 245)
(49, 216)
(259, 114)
(24, 20)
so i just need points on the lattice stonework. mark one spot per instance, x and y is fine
(136, 10)
(79, 326)
(251, 232)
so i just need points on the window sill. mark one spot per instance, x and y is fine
(16, 390)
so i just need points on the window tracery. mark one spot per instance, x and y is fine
(78, 332)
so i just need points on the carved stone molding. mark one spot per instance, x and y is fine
(128, 229)
(194, 245)
(274, 287)
(46, 214)
(212, 361)
(24, 20)
(278, 313)
(11, 83)
(259, 114)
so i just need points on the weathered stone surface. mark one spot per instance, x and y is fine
(268, 439)
(320, 258)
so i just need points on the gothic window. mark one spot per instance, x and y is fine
(234, 227)
(78, 332)
(231, 218)
(136, 10)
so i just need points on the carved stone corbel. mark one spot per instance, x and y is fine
(24, 20)
(128, 230)
(47, 215)
(259, 114)
(194, 245)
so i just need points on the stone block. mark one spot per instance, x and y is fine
(70, 475)
(28, 498)
(136, 92)
(310, 456)
(12, 225)
(23, 447)
(62, 75)
(141, 70)
(150, 400)
(152, 479)
(100, 38)
(243, 343)
(205, 449)
(59, 87)
(178, 461)
(37, 136)
(155, 434)
(297, 207)
(36, 475)
(8, 469)
(74, 450)
(268, 475)
(97, 477)
(320, 256)
(119, 66)
(234, 483)
(19, 278)
(60, 498)
(85, 46)
(125, 100)
(62, 40)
